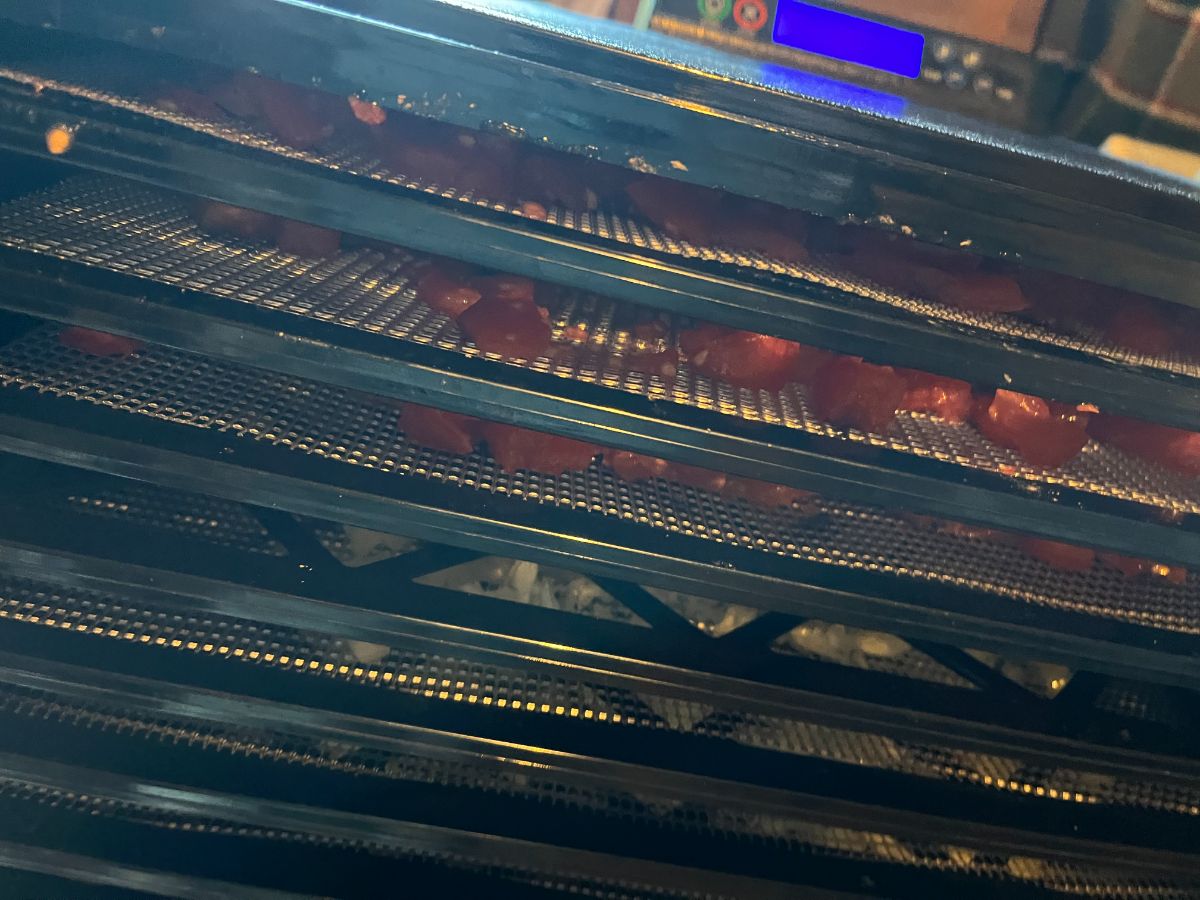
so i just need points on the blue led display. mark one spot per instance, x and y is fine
(828, 32)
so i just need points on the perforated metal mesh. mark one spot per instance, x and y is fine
(463, 682)
(358, 430)
(198, 516)
(129, 229)
(361, 161)
(701, 816)
(616, 888)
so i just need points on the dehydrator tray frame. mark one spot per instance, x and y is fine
(100, 690)
(119, 761)
(78, 530)
(829, 311)
(173, 284)
(466, 502)
(538, 73)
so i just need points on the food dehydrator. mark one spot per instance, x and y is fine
(257, 640)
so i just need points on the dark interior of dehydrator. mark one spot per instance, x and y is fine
(254, 641)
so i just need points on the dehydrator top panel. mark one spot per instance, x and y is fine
(659, 105)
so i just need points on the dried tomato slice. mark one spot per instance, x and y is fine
(303, 239)
(439, 429)
(1042, 432)
(521, 448)
(947, 398)
(857, 394)
(742, 358)
(1172, 448)
(438, 289)
(1066, 557)
(98, 343)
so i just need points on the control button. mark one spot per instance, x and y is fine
(971, 59)
(984, 84)
(956, 78)
(943, 50)
(1006, 94)
(929, 73)
(714, 9)
(750, 14)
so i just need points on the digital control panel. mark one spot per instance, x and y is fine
(979, 72)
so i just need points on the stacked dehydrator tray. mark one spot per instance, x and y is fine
(255, 642)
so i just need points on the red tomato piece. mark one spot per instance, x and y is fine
(1172, 448)
(302, 239)
(239, 96)
(919, 520)
(756, 235)
(531, 209)
(287, 112)
(742, 358)
(811, 361)
(508, 329)
(693, 340)
(663, 363)
(442, 291)
(439, 429)
(857, 394)
(430, 165)
(652, 331)
(576, 334)
(367, 112)
(189, 103)
(1071, 301)
(552, 179)
(1140, 327)
(1043, 433)
(1066, 557)
(763, 493)
(635, 466)
(98, 343)
(984, 292)
(1132, 567)
(683, 211)
(973, 532)
(947, 398)
(520, 448)
(245, 223)
(694, 476)
(905, 265)
(1128, 566)
(508, 288)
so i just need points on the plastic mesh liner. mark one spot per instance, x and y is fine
(124, 228)
(360, 160)
(738, 827)
(198, 516)
(359, 430)
(460, 681)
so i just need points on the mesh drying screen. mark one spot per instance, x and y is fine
(469, 685)
(133, 230)
(198, 516)
(359, 159)
(707, 816)
(339, 425)
(556, 877)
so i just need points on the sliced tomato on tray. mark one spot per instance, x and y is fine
(98, 343)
